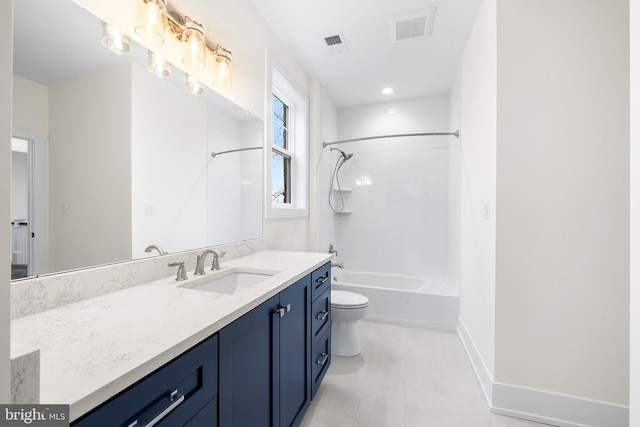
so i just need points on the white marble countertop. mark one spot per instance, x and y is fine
(93, 349)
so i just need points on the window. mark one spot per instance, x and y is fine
(280, 154)
(287, 167)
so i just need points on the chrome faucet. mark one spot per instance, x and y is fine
(201, 258)
(337, 264)
(157, 248)
(332, 250)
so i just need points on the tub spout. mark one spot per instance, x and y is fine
(337, 264)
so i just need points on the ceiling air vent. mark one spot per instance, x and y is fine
(336, 44)
(413, 25)
(333, 40)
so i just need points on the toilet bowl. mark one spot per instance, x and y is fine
(347, 308)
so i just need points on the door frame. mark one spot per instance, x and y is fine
(38, 227)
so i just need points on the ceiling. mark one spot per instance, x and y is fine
(355, 75)
(415, 67)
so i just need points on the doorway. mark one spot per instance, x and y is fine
(28, 209)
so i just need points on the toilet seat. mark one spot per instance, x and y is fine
(348, 300)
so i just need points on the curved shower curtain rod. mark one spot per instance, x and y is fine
(233, 151)
(342, 141)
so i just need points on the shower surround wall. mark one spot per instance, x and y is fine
(397, 190)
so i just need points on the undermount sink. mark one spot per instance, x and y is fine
(230, 281)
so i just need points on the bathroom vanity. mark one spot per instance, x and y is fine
(169, 350)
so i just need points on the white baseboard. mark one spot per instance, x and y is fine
(537, 405)
(485, 378)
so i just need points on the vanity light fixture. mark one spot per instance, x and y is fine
(185, 43)
(157, 65)
(222, 72)
(194, 87)
(155, 17)
(114, 39)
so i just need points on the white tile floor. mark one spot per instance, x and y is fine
(405, 377)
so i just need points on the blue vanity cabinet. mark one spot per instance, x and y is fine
(181, 393)
(265, 377)
(321, 325)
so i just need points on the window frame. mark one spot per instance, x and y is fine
(288, 92)
(286, 154)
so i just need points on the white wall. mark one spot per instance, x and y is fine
(398, 198)
(478, 82)
(455, 183)
(562, 275)
(328, 133)
(634, 398)
(545, 279)
(30, 106)
(6, 70)
(89, 165)
(168, 166)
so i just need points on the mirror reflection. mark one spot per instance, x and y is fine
(110, 159)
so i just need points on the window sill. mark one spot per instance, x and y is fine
(282, 212)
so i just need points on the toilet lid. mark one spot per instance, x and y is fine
(344, 299)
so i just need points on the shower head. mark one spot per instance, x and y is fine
(345, 156)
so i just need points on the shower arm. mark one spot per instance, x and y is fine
(342, 141)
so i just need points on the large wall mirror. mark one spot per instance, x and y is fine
(109, 159)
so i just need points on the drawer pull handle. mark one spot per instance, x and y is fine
(323, 359)
(321, 280)
(282, 310)
(322, 315)
(176, 400)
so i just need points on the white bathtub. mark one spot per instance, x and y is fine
(405, 300)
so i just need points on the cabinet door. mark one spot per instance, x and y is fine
(295, 352)
(248, 361)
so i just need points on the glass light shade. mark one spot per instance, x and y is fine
(153, 21)
(157, 65)
(114, 39)
(194, 87)
(194, 45)
(223, 67)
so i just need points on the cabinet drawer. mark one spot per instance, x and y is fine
(321, 315)
(320, 280)
(179, 389)
(320, 360)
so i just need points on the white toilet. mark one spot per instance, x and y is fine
(347, 308)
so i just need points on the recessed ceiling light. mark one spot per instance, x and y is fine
(387, 90)
(391, 111)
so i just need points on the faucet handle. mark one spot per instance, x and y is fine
(182, 272)
(215, 265)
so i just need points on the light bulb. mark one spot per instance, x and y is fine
(157, 65)
(155, 18)
(223, 66)
(195, 48)
(114, 39)
(193, 86)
